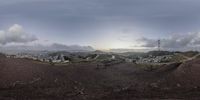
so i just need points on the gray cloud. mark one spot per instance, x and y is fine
(174, 42)
(81, 21)
(147, 42)
(165, 15)
(51, 47)
(15, 34)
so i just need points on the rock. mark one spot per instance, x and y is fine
(154, 85)
(178, 85)
(18, 83)
(56, 80)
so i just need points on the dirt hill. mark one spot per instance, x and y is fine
(188, 73)
(26, 79)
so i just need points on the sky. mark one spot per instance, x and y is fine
(102, 24)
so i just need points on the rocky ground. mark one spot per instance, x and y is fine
(22, 79)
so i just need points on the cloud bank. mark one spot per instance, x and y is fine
(15, 34)
(14, 49)
(174, 42)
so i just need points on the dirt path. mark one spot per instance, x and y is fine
(190, 58)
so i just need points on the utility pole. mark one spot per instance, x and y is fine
(159, 45)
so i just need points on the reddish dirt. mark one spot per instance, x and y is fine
(188, 73)
(22, 79)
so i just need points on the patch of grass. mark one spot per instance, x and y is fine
(177, 58)
(198, 57)
(190, 53)
(103, 57)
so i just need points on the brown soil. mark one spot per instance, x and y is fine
(22, 79)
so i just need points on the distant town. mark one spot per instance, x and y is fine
(105, 58)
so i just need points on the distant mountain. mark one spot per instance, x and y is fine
(123, 50)
(99, 52)
(52, 47)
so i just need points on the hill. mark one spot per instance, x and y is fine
(26, 79)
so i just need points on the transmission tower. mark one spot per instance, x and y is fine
(159, 45)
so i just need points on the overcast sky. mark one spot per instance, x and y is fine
(102, 24)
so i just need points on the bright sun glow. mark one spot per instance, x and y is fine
(119, 45)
